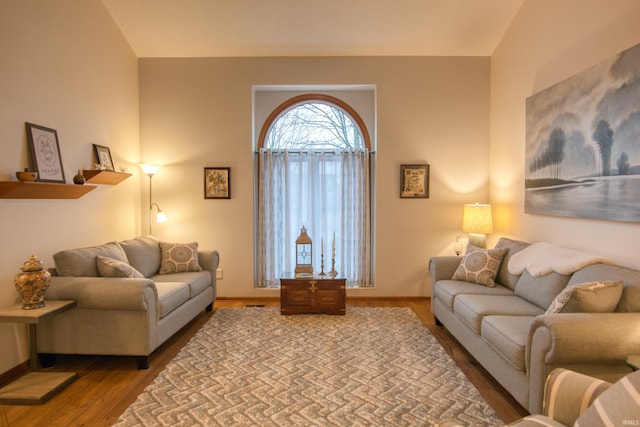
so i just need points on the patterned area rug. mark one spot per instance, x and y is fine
(254, 367)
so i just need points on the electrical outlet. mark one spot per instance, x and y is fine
(219, 273)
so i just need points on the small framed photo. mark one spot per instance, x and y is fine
(103, 155)
(217, 183)
(45, 152)
(414, 181)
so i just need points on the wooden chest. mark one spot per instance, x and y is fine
(312, 295)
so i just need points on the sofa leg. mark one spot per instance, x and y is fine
(209, 308)
(438, 322)
(47, 360)
(142, 362)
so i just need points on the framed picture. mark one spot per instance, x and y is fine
(414, 181)
(217, 183)
(103, 155)
(45, 153)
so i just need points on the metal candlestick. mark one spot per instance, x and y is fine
(333, 272)
(322, 273)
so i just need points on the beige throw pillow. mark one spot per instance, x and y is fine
(590, 297)
(179, 257)
(109, 267)
(480, 265)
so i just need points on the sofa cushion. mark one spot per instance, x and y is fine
(513, 247)
(630, 299)
(179, 257)
(480, 265)
(541, 290)
(591, 297)
(143, 254)
(171, 295)
(447, 290)
(508, 336)
(81, 262)
(617, 406)
(109, 267)
(197, 281)
(471, 309)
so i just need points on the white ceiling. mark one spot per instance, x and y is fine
(233, 28)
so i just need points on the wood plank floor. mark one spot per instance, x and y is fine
(108, 385)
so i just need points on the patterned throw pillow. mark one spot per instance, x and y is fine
(590, 297)
(179, 257)
(109, 267)
(480, 265)
(618, 406)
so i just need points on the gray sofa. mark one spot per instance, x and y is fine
(131, 296)
(507, 330)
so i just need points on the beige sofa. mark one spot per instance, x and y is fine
(131, 297)
(507, 330)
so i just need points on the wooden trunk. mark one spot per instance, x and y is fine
(312, 295)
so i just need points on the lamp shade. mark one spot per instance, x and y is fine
(477, 218)
(150, 169)
(161, 217)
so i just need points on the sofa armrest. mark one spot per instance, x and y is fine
(105, 293)
(594, 343)
(209, 261)
(586, 337)
(443, 267)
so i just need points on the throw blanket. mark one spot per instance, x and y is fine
(543, 258)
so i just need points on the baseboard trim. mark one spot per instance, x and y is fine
(14, 373)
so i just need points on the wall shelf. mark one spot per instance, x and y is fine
(105, 176)
(42, 190)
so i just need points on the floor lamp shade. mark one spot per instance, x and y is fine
(477, 221)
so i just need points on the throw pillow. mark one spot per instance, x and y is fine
(179, 257)
(109, 267)
(590, 297)
(619, 405)
(480, 265)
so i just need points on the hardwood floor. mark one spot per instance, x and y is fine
(108, 385)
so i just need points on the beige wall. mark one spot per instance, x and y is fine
(66, 66)
(549, 41)
(198, 112)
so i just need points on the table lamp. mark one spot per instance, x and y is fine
(477, 221)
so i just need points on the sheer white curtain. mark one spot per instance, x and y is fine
(327, 192)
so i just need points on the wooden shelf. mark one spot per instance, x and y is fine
(105, 177)
(42, 190)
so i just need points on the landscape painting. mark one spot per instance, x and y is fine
(583, 143)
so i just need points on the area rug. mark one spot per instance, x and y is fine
(255, 367)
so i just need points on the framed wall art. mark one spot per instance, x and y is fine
(217, 183)
(45, 153)
(414, 181)
(582, 143)
(103, 155)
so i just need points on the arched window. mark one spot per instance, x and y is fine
(314, 171)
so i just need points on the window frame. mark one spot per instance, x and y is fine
(313, 97)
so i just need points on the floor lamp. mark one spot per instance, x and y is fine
(150, 170)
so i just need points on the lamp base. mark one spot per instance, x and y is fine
(478, 240)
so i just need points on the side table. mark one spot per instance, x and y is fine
(35, 387)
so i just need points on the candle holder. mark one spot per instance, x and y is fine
(333, 272)
(322, 273)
